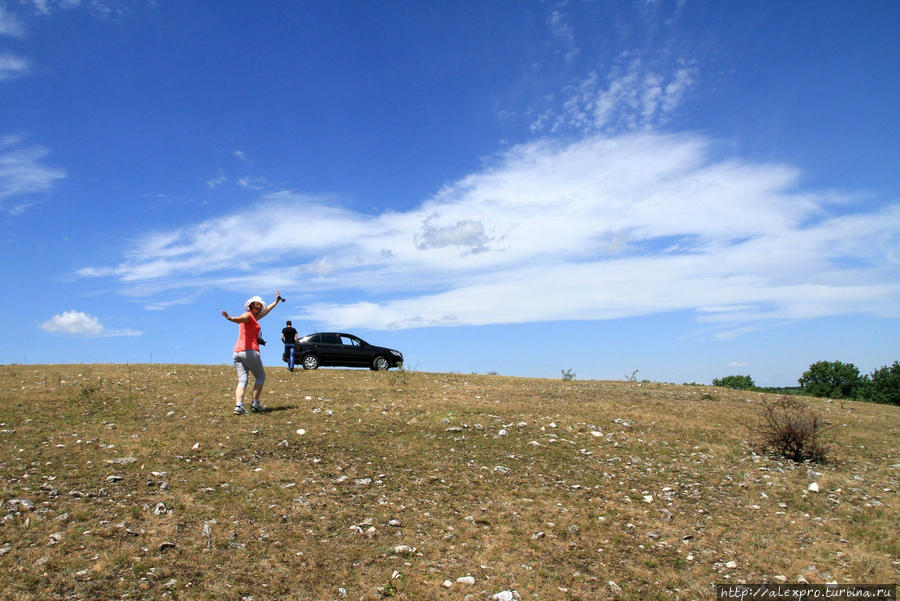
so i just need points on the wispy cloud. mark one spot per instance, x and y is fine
(605, 227)
(562, 32)
(632, 97)
(10, 25)
(251, 182)
(12, 66)
(218, 179)
(81, 324)
(22, 173)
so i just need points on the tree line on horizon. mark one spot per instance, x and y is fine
(835, 380)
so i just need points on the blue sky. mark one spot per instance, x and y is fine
(689, 189)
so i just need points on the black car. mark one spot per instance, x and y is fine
(344, 350)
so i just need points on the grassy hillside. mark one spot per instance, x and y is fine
(138, 482)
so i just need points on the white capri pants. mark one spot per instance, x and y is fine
(249, 361)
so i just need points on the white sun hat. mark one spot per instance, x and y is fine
(256, 299)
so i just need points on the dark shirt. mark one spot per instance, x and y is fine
(288, 335)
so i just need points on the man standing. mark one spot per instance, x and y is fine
(289, 337)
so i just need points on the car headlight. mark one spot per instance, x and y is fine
(397, 354)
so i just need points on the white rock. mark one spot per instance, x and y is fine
(196, 446)
(614, 588)
(469, 580)
(506, 596)
(814, 487)
(447, 584)
(731, 565)
(648, 498)
(404, 550)
(301, 431)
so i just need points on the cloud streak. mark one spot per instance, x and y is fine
(601, 228)
(22, 172)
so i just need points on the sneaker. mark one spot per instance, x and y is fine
(255, 407)
(239, 410)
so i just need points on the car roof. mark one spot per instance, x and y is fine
(334, 333)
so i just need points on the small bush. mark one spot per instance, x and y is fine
(792, 430)
(736, 382)
(567, 374)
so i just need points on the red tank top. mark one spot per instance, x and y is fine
(248, 334)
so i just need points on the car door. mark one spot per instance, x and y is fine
(330, 349)
(354, 352)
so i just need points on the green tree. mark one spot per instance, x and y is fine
(736, 382)
(831, 379)
(883, 386)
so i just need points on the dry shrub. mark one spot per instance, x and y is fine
(790, 429)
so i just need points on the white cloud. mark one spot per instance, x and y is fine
(218, 179)
(74, 322)
(632, 97)
(21, 172)
(252, 183)
(45, 7)
(563, 33)
(600, 228)
(82, 324)
(12, 66)
(10, 25)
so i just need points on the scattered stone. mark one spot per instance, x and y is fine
(813, 487)
(780, 578)
(196, 446)
(731, 565)
(301, 431)
(538, 535)
(122, 460)
(467, 580)
(395, 523)
(506, 596)
(502, 469)
(16, 504)
(113, 478)
(614, 588)
(447, 584)
(163, 546)
(404, 550)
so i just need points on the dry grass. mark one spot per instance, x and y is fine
(550, 488)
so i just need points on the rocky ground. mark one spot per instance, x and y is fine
(137, 482)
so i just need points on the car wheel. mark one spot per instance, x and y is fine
(310, 362)
(380, 364)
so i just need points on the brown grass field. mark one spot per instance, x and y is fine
(137, 482)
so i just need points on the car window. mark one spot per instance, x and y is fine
(347, 341)
(330, 339)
